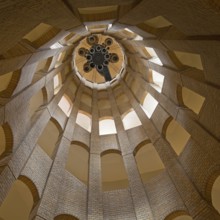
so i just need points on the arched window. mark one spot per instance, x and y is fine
(154, 57)
(216, 194)
(177, 136)
(66, 105)
(114, 175)
(131, 120)
(3, 141)
(148, 161)
(149, 105)
(84, 121)
(78, 161)
(192, 100)
(49, 137)
(157, 80)
(57, 82)
(18, 203)
(107, 126)
(6, 140)
(189, 59)
(9, 82)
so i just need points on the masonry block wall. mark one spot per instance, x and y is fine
(37, 43)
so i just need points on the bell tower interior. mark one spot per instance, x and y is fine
(110, 110)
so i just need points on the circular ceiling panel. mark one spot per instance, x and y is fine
(99, 59)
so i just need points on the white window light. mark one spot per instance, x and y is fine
(158, 80)
(131, 120)
(107, 126)
(154, 57)
(56, 46)
(126, 29)
(84, 121)
(149, 105)
(57, 83)
(138, 37)
(109, 26)
(65, 105)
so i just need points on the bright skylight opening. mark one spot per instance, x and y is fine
(66, 105)
(154, 57)
(57, 82)
(131, 120)
(84, 121)
(158, 80)
(149, 105)
(109, 26)
(138, 37)
(56, 46)
(107, 126)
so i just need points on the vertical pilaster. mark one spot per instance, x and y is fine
(95, 206)
(48, 203)
(190, 196)
(140, 200)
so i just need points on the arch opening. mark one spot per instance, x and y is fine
(8, 83)
(6, 142)
(65, 104)
(149, 105)
(153, 56)
(49, 137)
(84, 120)
(192, 100)
(158, 80)
(189, 59)
(114, 175)
(107, 126)
(176, 135)
(20, 200)
(130, 120)
(148, 161)
(78, 161)
(215, 194)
